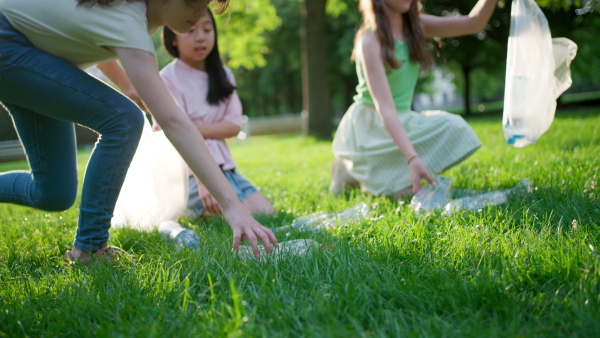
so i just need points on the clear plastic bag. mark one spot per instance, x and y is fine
(537, 73)
(156, 186)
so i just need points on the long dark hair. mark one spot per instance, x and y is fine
(375, 20)
(220, 5)
(219, 86)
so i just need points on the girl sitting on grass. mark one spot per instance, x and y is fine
(380, 143)
(205, 90)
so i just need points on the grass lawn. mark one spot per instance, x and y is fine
(527, 268)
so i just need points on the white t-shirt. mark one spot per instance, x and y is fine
(82, 35)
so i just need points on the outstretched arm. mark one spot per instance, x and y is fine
(445, 26)
(142, 70)
(369, 54)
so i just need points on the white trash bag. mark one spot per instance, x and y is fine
(156, 187)
(537, 73)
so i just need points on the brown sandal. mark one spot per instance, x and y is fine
(111, 253)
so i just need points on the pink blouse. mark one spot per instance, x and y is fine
(189, 87)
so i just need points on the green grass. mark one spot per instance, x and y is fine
(527, 268)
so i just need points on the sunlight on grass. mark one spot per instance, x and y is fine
(529, 267)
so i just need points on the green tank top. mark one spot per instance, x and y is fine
(402, 80)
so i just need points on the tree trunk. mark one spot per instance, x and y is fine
(467, 94)
(315, 87)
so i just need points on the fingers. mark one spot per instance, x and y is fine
(217, 206)
(253, 235)
(253, 243)
(272, 237)
(264, 238)
(430, 179)
(237, 237)
(211, 205)
(417, 187)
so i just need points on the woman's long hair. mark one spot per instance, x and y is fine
(219, 86)
(220, 5)
(375, 20)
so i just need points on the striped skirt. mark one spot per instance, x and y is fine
(371, 156)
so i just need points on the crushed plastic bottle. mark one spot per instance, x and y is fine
(433, 197)
(180, 236)
(295, 248)
(480, 201)
(325, 221)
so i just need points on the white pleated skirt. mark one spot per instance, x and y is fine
(371, 156)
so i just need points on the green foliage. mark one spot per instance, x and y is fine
(276, 87)
(261, 43)
(526, 268)
(242, 38)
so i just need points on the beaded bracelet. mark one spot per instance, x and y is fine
(411, 158)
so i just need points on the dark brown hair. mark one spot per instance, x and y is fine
(219, 86)
(375, 20)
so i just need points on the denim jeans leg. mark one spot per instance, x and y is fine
(42, 84)
(51, 152)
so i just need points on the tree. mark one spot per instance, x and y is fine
(486, 50)
(315, 88)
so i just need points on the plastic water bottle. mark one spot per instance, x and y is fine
(480, 201)
(182, 237)
(324, 221)
(313, 222)
(293, 248)
(433, 197)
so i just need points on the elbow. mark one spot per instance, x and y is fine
(476, 25)
(478, 28)
(169, 122)
(235, 131)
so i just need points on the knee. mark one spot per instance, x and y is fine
(127, 125)
(56, 200)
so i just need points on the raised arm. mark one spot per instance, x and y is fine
(369, 54)
(445, 26)
(142, 70)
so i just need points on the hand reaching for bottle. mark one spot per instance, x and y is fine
(419, 172)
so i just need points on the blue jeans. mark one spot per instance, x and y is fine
(45, 95)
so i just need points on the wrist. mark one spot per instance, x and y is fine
(411, 158)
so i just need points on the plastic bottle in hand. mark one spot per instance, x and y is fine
(182, 237)
(433, 197)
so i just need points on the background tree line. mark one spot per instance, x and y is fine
(262, 44)
(261, 41)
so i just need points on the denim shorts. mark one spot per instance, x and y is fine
(242, 187)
